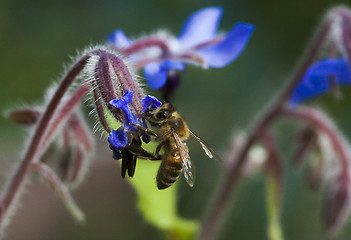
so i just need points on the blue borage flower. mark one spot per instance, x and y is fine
(321, 77)
(118, 139)
(198, 39)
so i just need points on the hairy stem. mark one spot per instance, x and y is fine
(63, 112)
(145, 43)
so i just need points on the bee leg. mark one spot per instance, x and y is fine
(156, 155)
(141, 153)
(144, 130)
(158, 149)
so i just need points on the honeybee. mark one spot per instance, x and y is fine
(170, 130)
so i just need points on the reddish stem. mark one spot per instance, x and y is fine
(62, 114)
(78, 162)
(145, 43)
(141, 63)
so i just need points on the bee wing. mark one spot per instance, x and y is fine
(188, 169)
(206, 147)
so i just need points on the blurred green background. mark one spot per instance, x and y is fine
(38, 37)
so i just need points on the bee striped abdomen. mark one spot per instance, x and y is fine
(169, 171)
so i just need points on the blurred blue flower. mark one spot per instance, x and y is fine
(197, 43)
(118, 139)
(156, 73)
(322, 77)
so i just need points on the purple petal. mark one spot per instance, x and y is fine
(224, 52)
(119, 39)
(200, 27)
(156, 73)
(320, 78)
(150, 101)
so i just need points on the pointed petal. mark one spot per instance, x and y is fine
(221, 54)
(123, 102)
(200, 27)
(156, 73)
(320, 77)
(118, 39)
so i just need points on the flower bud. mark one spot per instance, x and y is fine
(313, 172)
(336, 203)
(24, 116)
(306, 140)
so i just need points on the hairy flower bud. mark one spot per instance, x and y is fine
(110, 78)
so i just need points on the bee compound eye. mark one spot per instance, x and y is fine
(163, 114)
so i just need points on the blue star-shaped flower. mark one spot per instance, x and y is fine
(321, 77)
(118, 139)
(198, 42)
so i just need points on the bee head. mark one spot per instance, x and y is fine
(157, 116)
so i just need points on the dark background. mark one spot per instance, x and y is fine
(38, 37)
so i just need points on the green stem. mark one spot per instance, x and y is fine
(274, 229)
